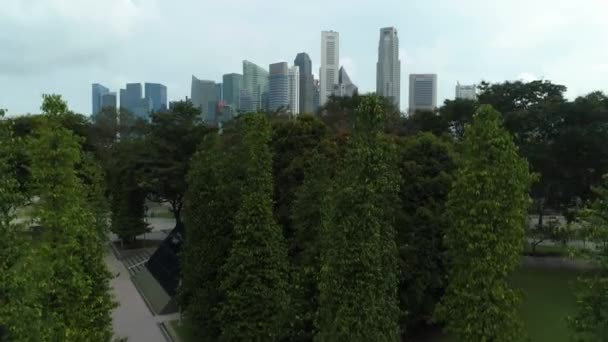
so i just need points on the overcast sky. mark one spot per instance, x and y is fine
(62, 46)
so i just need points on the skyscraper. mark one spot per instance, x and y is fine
(423, 92)
(388, 68)
(330, 63)
(255, 83)
(97, 90)
(204, 96)
(278, 86)
(132, 100)
(157, 93)
(294, 90)
(306, 95)
(108, 100)
(345, 86)
(467, 92)
(232, 84)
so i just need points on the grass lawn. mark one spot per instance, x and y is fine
(548, 250)
(182, 331)
(548, 298)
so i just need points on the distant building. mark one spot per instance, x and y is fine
(108, 100)
(423, 92)
(345, 86)
(157, 93)
(467, 92)
(278, 86)
(388, 68)
(255, 84)
(132, 100)
(232, 85)
(204, 96)
(306, 94)
(294, 90)
(97, 91)
(316, 102)
(330, 63)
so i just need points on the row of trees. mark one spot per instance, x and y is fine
(54, 285)
(360, 255)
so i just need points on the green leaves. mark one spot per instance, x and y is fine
(487, 207)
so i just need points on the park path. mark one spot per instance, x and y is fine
(131, 318)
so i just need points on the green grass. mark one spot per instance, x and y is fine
(558, 250)
(161, 214)
(183, 331)
(548, 299)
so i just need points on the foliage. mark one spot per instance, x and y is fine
(60, 287)
(487, 208)
(255, 283)
(591, 321)
(426, 165)
(358, 264)
(171, 142)
(425, 121)
(458, 114)
(212, 199)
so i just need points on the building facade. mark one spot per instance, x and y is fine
(97, 91)
(423, 92)
(466, 92)
(108, 100)
(306, 86)
(232, 85)
(388, 68)
(278, 86)
(255, 84)
(330, 63)
(157, 93)
(345, 86)
(203, 94)
(294, 90)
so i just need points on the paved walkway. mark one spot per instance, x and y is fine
(131, 318)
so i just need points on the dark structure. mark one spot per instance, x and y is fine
(164, 263)
(306, 83)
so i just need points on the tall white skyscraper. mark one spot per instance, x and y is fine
(330, 64)
(423, 92)
(388, 68)
(294, 90)
(467, 92)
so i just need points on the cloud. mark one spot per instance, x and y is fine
(45, 35)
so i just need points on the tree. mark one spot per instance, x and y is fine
(306, 216)
(591, 320)
(487, 208)
(255, 282)
(173, 139)
(427, 165)
(425, 121)
(458, 114)
(358, 264)
(63, 291)
(212, 199)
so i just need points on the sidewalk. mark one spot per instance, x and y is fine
(131, 318)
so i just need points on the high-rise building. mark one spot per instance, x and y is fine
(307, 80)
(97, 92)
(388, 68)
(232, 84)
(278, 86)
(345, 86)
(132, 100)
(108, 100)
(255, 84)
(157, 93)
(204, 96)
(467, 92)
(316, 99)
(423, 92)
(330, 63)
(294, 90)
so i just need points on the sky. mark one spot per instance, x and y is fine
(63, 46)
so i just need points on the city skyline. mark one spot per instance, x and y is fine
(564, 43)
